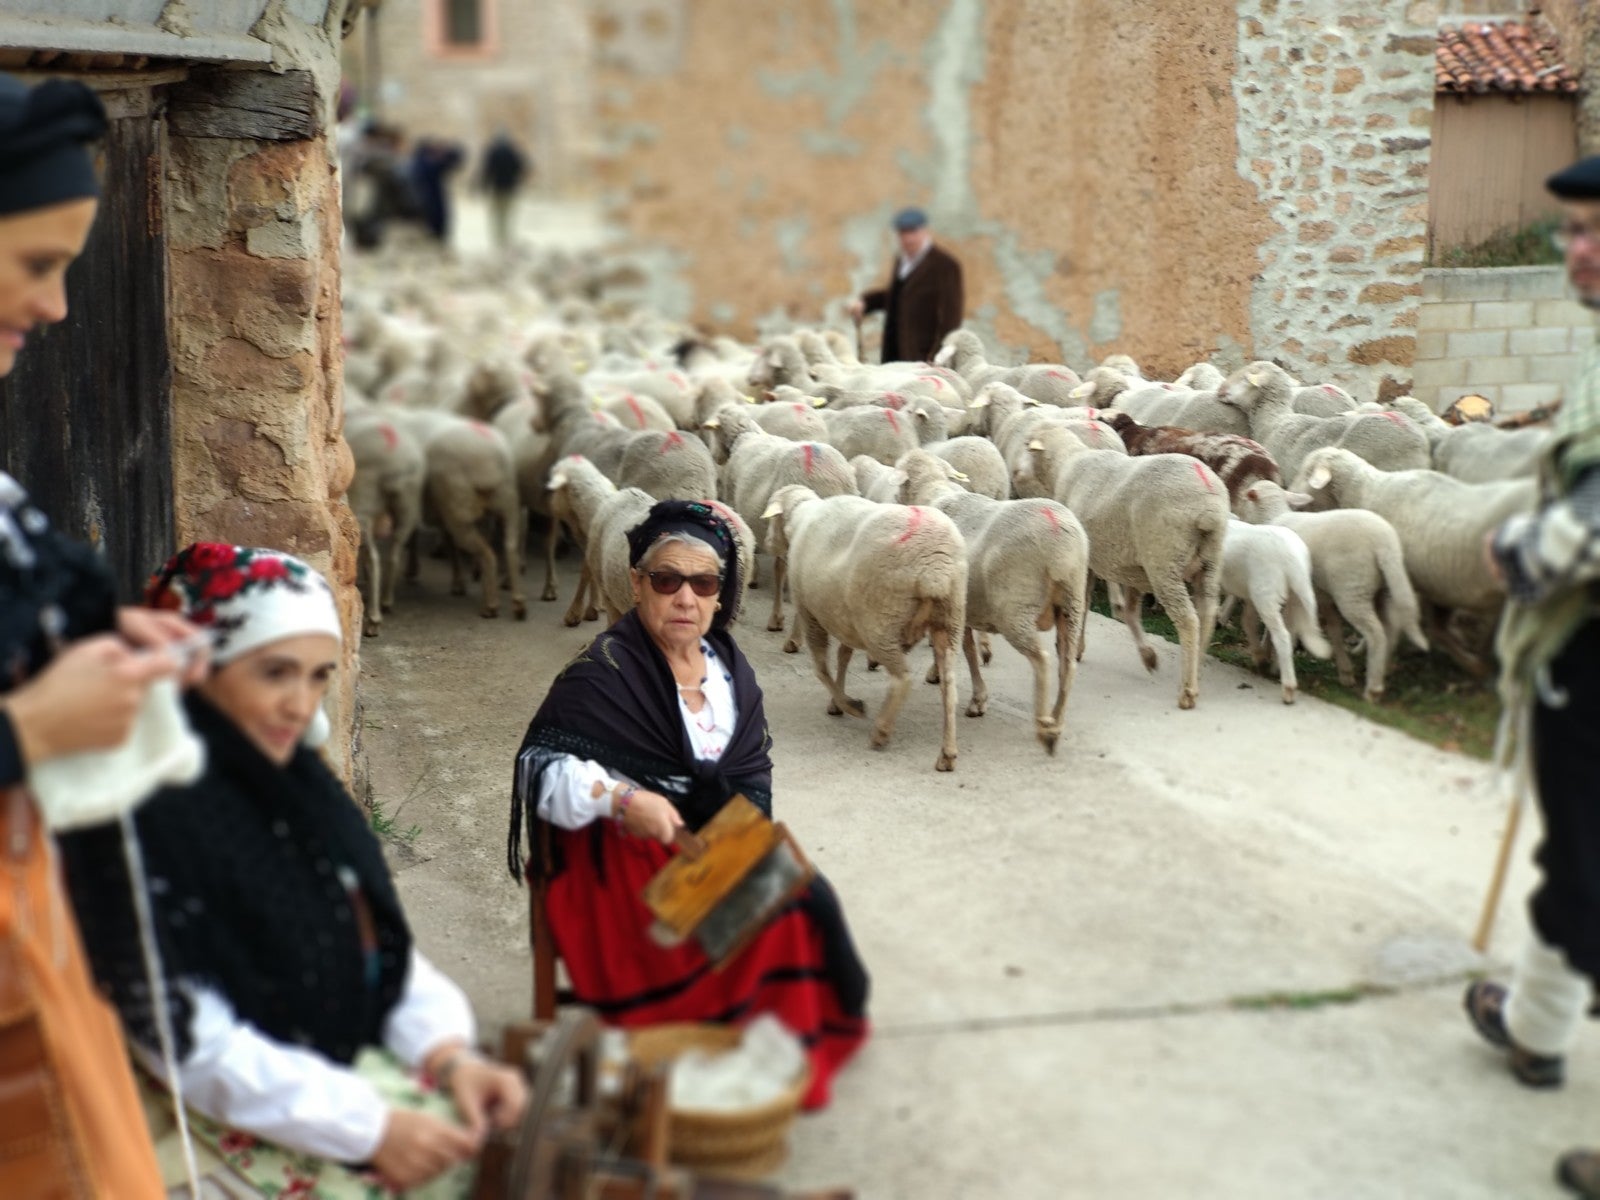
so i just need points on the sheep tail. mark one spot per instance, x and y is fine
(1401, 610)
(918, 625)
(1301, 615)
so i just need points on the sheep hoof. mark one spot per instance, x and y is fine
(1347, 679)
(932, 676)
(945, 762)
(488, 614)
(879, 739)
(1048, 739)
(986, 656)
(1374, 695)
(387, 606)
(570, 619)
(1148, 656)
(852, 707)
(872, 664)
(369, 628)
(1288, 695)
(775, 625)
(1186, 699)
(549, 593)
(753, 584)
(519, 610)
(591, 614)
(791, 647)
(975, 709)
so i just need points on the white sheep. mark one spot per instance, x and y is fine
(1048, 383)
(878, 578)
(880, 432)
(577, 490)
(606, 555)
(1476, 452)
(386, 497)
(977, 459)
(1442, 523)
(670, 466)
(1165, 404)
(755, 465)
(1269, 568)
(1027, 571)
(1264, 393)
(1155, 523)
(1358, 572)
(877, 482)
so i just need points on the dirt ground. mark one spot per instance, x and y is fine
(1207, 953)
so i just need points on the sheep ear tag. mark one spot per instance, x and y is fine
(1320, 475)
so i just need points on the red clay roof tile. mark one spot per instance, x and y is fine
(1501, 56)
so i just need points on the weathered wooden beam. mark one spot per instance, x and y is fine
(246, 104)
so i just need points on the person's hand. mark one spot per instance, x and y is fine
(857, 308)
(152, 629)
(417, 1147)
(488, 1095)
(86, 699)
(651, 815)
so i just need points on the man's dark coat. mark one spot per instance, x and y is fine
(919, 309)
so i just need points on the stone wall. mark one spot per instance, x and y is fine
(532, 76)
(1172, 181)
(253, 240)
(1513, 334)
(1578, 24)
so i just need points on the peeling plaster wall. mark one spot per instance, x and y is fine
(1093, 164)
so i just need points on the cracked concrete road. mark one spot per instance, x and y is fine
(1215, 953)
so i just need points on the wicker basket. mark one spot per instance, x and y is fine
(749, 1143)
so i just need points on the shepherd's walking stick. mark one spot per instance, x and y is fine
(857, 319)
(1497, 882)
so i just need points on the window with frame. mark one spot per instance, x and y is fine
(463, 25)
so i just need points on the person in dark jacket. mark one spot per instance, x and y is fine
(432, 163)
(504, 169)
(923, 300)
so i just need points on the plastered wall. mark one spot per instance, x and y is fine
(1171, 181)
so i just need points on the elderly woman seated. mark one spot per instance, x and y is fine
(286, 953)
(656, 725)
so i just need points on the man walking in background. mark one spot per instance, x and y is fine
(923, 300)
(504, 167)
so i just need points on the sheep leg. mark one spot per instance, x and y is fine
(780, 568)
(511, 530)
(980, 692)
(1371, 628)
(1282, 645)
(413, 559)
(986, 647)
(944, 654)
(407, 517)
(817, 642)
(1250, 625)
(458, 582)
(894, 663)
(1180, 608)
(371, 582)
(1069, 624)
(1334, 628)
(574, 612)
(1132, 617)
(551, 536)
(792, 645)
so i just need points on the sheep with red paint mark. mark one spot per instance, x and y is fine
(577, 490)
(1476, 452)
(1027, 572)
(1048, 383)
(1156, 525)
(982, 467)
(878, 578)
(386, 497)
(670, 466)
(755, 464)
(1263, 394)
(881, 433)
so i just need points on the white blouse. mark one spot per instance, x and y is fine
(292, 1095)
(567, 787)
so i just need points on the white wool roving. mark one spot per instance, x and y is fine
(765, 1064)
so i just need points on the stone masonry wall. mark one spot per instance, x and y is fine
(1512, 334)
(258, 452)
(1335, 110)
(1222, 181)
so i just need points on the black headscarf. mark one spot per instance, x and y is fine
(44, 136)
(702, 522)
(251, 871)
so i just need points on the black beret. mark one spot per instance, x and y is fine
(44, 132)
(1580, 181)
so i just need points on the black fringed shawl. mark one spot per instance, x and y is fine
(245, 872)
(617, 703)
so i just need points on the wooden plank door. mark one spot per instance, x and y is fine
(86, 416)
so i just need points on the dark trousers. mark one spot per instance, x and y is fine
(1566, 747)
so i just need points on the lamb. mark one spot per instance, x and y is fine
(1263, 391)
(1442, 524)
(880, 432)
(1269, 568)
(605, 558)
(1476, 452)
(670, 466)
(386, 497)
(1358, 572)
(976, 458)
(1101, 387)
(577, 490)
(757, 464)
(1238, 461)
(879, 578)
(1155, 524)
(878, 483)
(1027, 571)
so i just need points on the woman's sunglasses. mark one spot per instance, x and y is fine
(668, 583)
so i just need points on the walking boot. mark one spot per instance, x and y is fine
(1485, 1003)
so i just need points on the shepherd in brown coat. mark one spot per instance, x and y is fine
(923, 300)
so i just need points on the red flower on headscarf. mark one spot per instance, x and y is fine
(167, 599)
(224, 583)
(268, 570)
(208, 556)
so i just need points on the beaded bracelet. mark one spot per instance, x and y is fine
(623, 797)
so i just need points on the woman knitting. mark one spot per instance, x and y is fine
(296, 990)
(656, 725)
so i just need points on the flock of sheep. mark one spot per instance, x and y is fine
(947, 501)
